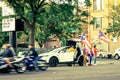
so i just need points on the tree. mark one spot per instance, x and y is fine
(59, 20)
(47, 19)
(114, 25)
(28, 10)
(87, 3)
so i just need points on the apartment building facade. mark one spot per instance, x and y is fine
(100, 11)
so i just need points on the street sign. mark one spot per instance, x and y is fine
(7, 10)
(8, 24)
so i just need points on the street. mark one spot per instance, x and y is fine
(106, 69)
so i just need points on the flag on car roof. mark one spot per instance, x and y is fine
(85, 41)
(103, 37)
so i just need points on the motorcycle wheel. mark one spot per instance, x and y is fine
(43, 68)
(21, 68)
(31, 69)
(5, 70)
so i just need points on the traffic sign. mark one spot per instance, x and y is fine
(8, 24)
(7, 10)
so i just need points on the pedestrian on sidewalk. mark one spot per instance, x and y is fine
(85, 52)
(77, 53)
(95, 54)
(90, 57)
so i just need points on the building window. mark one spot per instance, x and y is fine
(98, 5)
(98, 22)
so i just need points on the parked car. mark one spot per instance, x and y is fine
(60, 55)
(102, 54)
(116, 54)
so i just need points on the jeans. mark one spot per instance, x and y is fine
(35, 63)
(90, 57)
(95, 59)
(84, 60)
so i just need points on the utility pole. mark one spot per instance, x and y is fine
(13, 40)
(8, 23)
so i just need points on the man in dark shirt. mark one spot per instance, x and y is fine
(7, 55)
(33, 52)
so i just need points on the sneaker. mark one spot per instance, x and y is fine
(89, 64)
(95, 64)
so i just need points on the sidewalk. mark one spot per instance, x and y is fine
(106, 62)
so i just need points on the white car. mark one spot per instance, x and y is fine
(60, 55)
(104, 54)
(116, 54)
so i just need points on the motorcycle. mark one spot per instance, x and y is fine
(17, 65)
(29, 61)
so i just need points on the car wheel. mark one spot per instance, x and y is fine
(53, 62)
(69, 64)
(80, 61)
(116, 56)
(100, 56)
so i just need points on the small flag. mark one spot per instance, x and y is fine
(85, 41)
(103, 37)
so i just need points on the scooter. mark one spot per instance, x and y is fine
(29, 61)
(17, 65)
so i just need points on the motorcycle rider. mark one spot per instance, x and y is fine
(7, 55)
(33, 52)
(11, 48)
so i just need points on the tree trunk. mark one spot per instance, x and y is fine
(40, 44)
(31, 35)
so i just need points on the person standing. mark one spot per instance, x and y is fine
(90, 56)
(84, 55)
(76, 54)
(95, 54)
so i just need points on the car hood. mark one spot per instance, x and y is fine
(44, 54)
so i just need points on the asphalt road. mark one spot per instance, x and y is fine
(105, 70)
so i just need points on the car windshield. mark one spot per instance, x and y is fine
(56, 49)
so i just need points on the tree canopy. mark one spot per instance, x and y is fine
(45, 19)
(114, 25)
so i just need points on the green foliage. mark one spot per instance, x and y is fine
(49, 19)
(87, 3)
(114, 26)
(57, 20)
(4, 36)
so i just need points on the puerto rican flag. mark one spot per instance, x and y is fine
(103, 37)
(85, 41)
